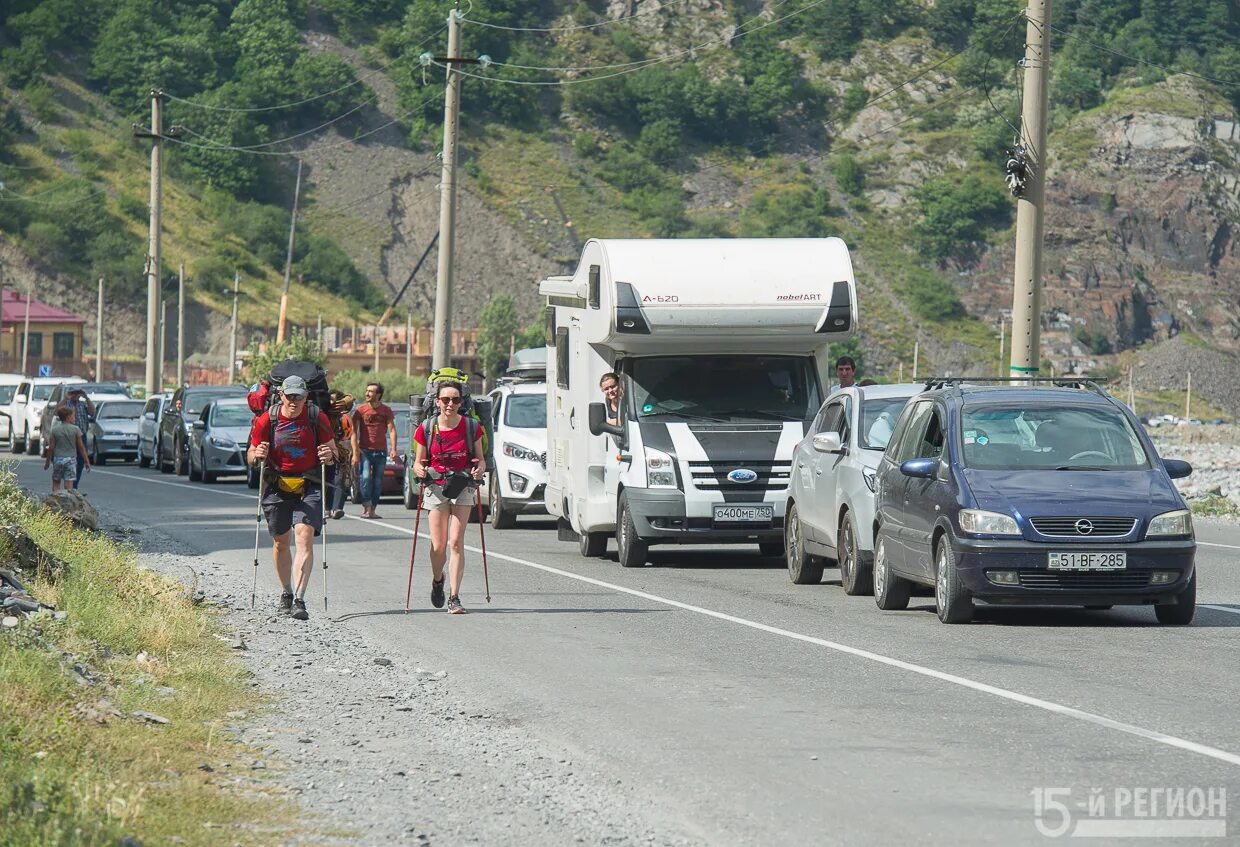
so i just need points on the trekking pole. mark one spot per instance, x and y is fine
(417, 521)
(486, 578)
(323, 520)
(258, 523)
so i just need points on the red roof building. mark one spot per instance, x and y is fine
(55, 336)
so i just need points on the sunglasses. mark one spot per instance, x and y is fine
(452, 400)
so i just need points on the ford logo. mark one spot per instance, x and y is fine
(742, 475)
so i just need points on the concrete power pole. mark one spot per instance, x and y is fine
(288, 259)
(181, 325)
(26, 331)
(153, 317)
(1030, 205)
(409, 343)
(232, 340)
(99, 336)
(441, 355)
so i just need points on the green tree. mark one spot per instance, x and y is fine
(297, 347)
(848, 174)
(497, 325)
(931, 297)
(794, 211)
(956, 212)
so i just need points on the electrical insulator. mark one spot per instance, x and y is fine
(1017, 170)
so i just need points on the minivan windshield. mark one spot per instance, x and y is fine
(526, 411)
(726, 388)
(1045, 437)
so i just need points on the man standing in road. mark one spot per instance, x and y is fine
(83, 415)
(292, 446)
(373, 442)
(845, 372)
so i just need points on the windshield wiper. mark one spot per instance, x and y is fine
(1083, 468)
(692, 415)
(779, 416)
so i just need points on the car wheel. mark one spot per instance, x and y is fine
(502, 519)
(144, 461)
(803, 569)
(207, 476)
(592, 545)
(632, 550)
(195, 472)
(950, 596)
(32, 445)
(891, 593)
(1179, 613)
(99, 458)
(180, 459)
(14, 445)
(856, 568)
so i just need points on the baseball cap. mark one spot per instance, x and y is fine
(293, 386)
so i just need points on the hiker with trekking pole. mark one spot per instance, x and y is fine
(294, 442)
(449, 462)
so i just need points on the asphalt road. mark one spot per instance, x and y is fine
(754, 711)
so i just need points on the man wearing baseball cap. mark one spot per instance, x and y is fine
(292, 446)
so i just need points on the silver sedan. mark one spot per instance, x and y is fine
(113, 434)
(218, 439)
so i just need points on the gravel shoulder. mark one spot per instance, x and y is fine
(380, 749)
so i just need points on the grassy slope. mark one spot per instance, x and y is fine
(103, 151)
(65, 779)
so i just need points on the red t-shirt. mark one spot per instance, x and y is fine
(371, 423)
(293, 450)
(449, 450)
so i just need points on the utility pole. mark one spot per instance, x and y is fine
(99, 336)
(26, 331)
(181, 326)
(232, 340)
(288, 259)
(1002, 329)
(163, 341)
(1131, 399)
(441, 356)
(319, 334)
(1030, 204)
(376, 338)
(409, 343)
(1188, 397)
(154, 313)
(916, 355)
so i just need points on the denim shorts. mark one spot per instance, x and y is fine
(64, 467)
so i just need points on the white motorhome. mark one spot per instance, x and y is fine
(721, 348)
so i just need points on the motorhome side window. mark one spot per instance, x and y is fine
(725, 387)
(561, 357)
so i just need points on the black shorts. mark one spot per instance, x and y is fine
(283, 510)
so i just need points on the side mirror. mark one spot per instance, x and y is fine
(920, 468)
(150, 416)
(828, 442)
(599, 424)
(200, 424)
(21, 398)
(1177, 468)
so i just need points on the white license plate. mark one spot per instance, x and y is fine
(1087, 561)
(745, 514)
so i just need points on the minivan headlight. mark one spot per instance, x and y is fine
(977, 522)
(519, 452)
(1179, 522)
(660, 470)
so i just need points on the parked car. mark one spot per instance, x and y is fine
(519, 428)
(184, 408)
(830, 512)
(26, 413)
(394, 470)
(97, 392)
(148, 428)
(8, 390)
(218, 440)
(1023, 495)
(113, 434)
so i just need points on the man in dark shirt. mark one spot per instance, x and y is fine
(292, 446)
(84, 415)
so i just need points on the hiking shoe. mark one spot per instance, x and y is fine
(286, 600)
(337, 514)
(455, 607)
(437, 594)
(299, 611)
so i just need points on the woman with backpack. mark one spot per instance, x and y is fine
(449, 458)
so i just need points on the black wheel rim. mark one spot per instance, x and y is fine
(846, 552)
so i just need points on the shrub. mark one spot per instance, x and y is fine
(848, 174)
(931, 297)
(48, 242)
(797, 211)
(956, 210)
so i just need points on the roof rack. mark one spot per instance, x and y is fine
(1083, 383)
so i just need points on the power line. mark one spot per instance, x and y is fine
(643, 64)
(572, 27)
(1162, 68)
(384, 66)
(311, 131)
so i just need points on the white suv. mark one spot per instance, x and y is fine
(8, 390)
(831, 496)
(27, 411)
(519, 442)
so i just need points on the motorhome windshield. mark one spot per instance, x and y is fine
(725, 388)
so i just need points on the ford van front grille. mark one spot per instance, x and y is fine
(735, 476)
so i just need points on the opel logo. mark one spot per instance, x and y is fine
(742, 475)
(1084, 527)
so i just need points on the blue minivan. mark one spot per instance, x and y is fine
(1030, 495)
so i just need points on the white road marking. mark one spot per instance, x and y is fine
(942, 676)
(1227, 609)
(1213, 544)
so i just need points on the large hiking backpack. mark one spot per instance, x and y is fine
(267, 392)
(475, 410)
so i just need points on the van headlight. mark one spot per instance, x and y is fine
(660, 470)
(977, 522)
(1179, 522)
